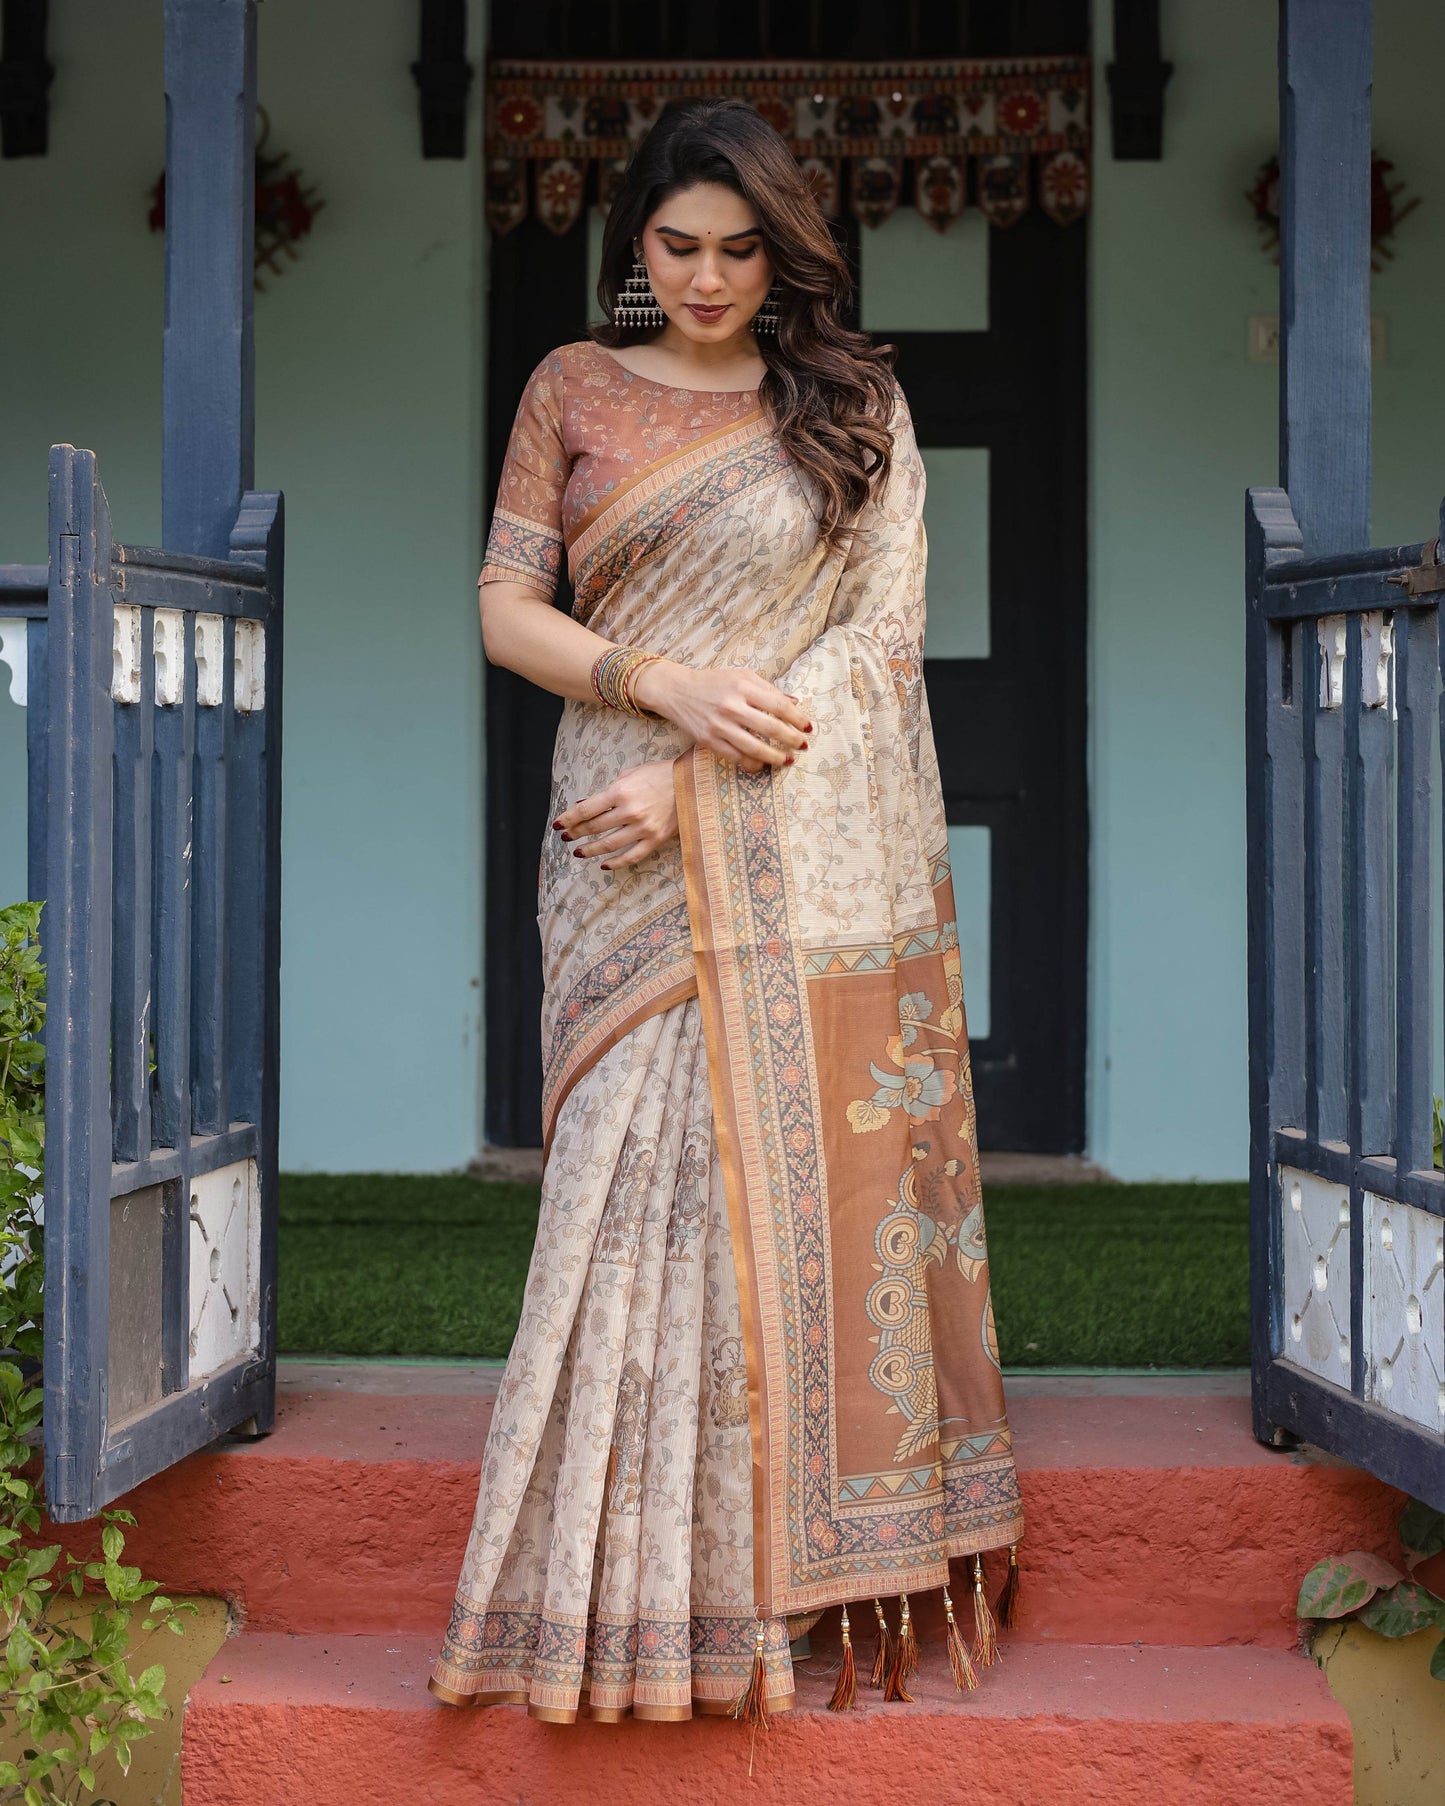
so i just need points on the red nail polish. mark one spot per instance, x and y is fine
(788, 760)
(809, 728)
(576, 852)
(557, 824)
(606, 868)
(804, 747)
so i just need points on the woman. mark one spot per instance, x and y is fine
(756, 1372)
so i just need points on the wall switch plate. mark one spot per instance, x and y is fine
(1264, 338)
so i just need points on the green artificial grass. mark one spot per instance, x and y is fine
(1120, 1275)
(1083, 1275)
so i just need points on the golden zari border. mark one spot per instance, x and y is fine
(688, 772)
(450, 1698)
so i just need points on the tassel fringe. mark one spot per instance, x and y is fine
(965, 1675)
(845, 1693)
(1007, 1609)
(905, 1656)
(752, 1704)
(895, 1658)
(985, 1652)
(883, 1654)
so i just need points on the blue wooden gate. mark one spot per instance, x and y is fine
(1344, 708)
(154, 690)
(154, 749)
(160, 937)
(1349, 1208)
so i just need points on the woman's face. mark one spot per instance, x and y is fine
(704, 253)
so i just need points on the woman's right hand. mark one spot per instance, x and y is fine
(733, 713)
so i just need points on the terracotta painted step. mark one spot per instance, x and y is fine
(333, 1720)
(1159, 1519)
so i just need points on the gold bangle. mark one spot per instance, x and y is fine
(629, 680)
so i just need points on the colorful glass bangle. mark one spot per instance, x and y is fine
(615, 675)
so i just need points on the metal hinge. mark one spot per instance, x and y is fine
(1426, 578)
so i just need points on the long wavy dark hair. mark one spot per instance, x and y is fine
(828, 391)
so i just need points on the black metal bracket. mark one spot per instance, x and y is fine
(25, 78)
(444, 76)
(1137, 77)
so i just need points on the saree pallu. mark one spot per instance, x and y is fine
(756, 1372)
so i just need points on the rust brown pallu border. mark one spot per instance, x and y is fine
(848, 1499)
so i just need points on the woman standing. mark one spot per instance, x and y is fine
(755, 1373)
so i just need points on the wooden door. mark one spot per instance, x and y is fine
(1003, 396)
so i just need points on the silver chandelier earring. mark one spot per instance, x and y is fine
(637, 305)
(767, 317)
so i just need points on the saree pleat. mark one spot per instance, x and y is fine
(611, 1560)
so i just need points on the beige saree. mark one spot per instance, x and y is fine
(755, 1373)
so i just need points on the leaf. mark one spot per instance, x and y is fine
(41, 1561)
(1403, 1609)
(865, 1116)
(1422, 1531)
(1437, 1661)
(153, 1679)
(1341, 1584)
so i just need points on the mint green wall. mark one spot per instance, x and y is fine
(369, 363)
(369, 360)
(1181, 424)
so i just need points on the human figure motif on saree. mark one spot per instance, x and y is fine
(756, 1372)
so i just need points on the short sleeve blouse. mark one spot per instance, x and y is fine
(585, 427)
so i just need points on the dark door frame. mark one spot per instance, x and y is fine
(536, 302)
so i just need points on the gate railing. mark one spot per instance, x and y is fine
(155, 820)
(24, 606)
(1343, 698)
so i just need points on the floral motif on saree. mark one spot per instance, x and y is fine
(756, 1369)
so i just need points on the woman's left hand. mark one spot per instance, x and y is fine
(627, 821)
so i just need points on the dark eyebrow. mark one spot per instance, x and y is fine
(675, 232)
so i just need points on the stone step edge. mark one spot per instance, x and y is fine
(1194, 1535)
(342, 1719)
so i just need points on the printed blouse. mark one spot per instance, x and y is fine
(585, 430)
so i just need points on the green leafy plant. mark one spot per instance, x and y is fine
(1376, 1594)
(1440, 1133)
(68, 1694)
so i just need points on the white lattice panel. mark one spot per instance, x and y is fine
(1405, 1310)
(13, 636)
(1315, 1236)
(225, 1212)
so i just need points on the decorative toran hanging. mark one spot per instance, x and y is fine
(286, 206)
(1006, 131)
(1389, 204)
